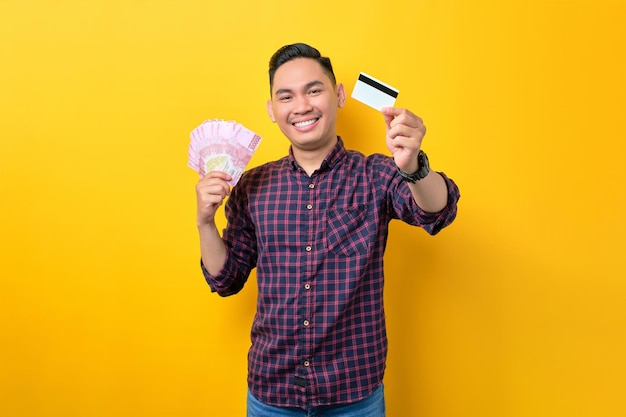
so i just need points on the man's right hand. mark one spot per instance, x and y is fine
(211, 191)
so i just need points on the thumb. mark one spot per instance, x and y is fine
(389, 113)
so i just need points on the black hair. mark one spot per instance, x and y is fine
(299, 50)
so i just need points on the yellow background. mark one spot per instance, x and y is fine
(518, 309)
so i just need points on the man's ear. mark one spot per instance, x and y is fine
(270, 111)
(341, 95)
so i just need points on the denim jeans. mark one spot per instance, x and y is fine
(372, 406)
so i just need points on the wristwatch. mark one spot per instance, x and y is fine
(423, 168)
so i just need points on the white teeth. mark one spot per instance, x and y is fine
(305, 124)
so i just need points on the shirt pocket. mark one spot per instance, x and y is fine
(347, 231)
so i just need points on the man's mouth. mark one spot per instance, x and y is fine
(305, 123)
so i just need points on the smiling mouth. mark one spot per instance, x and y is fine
(305, 123)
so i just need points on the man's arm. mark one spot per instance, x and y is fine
(210, 192)
(430, 193)
(212, 248)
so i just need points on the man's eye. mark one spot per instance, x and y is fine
(284, 98)
(315, 91)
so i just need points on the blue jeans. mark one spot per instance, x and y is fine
(372, 406)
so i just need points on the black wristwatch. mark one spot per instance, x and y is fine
(423, 168)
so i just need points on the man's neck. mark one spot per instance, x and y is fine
(311, 160)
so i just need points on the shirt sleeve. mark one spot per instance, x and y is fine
(434, 222)
(405, 208)
(241, 248)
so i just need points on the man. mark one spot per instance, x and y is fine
(315, 225)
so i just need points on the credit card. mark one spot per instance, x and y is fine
(374, 93)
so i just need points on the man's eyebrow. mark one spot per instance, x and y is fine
(306, 87)
(314, 84)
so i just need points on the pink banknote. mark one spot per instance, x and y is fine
(218, 145)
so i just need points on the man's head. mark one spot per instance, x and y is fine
(299, 50)
(304, 97)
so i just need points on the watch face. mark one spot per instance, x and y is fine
(422, 159)
(424, 168)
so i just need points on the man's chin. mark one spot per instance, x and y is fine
(312, 141)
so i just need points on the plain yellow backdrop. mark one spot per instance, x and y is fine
(517, 309)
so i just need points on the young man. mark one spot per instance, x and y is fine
(315, 225)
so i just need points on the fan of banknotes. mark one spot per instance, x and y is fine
(218, 145)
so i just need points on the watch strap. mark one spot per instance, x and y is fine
(422, 170)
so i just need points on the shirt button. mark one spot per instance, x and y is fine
(311, 186)
(309, 206)
(308, 249)
(307, 286)
(306, 363)
(306, 323)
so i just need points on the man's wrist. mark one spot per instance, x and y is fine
(423, 168)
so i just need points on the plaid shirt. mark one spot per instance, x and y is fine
(318, 336)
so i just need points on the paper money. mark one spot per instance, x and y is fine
(218, 145)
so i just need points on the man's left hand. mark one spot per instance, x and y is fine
(405, 132)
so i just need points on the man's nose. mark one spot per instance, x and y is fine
(302, 104)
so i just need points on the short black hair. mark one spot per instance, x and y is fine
(299, 50)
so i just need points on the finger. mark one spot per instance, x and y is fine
(208, 186)
(215, 177)
(394, 116)
(405, 136)
(218, 174)
(392, 111)
(388, 119)
(214, 187)
(220, 189)
(405, 130)
(210, 203)
(402, 141)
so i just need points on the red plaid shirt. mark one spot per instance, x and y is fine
(318, 336)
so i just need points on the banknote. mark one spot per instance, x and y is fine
(219, 145)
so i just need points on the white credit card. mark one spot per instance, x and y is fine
(373, 92)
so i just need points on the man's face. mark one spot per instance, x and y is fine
(304, 103)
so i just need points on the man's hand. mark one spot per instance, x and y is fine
(211, 191)
(405, 132)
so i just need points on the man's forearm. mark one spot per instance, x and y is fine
(430, 193)
(212, 248)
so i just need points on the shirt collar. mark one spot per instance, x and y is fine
(334, 156)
